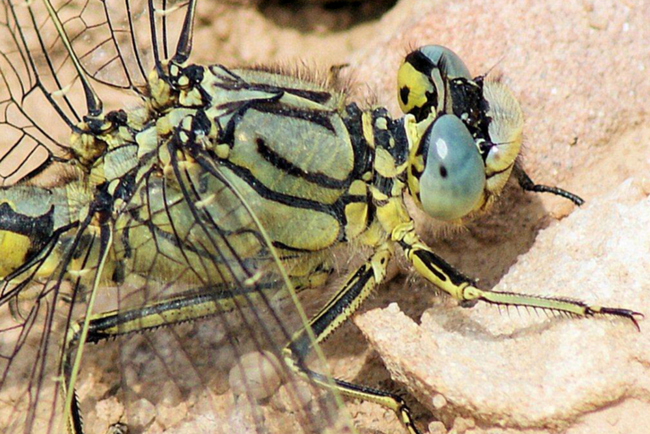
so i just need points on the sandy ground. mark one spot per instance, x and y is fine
(580, 72)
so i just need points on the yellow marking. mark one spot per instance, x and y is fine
(168, 171)
(124, 134)
(496, 183)
(14, 248)
(313, 231)
(412, 132)
(96, 175)
(374, 235)
(222, 151)
(318, 279)
(144, 169)
(397, 189)
(392, 213)
(163, 156)
(356, 214)
(119, 205)
(173, 70)
(62, 92)
(414, 188)
(147, 141)
(377, 194)
(418, 85)
(206, 202)
(86, 147)
(254, 279)
(80, 273)
(191, 98)
(384, 163)
(303, 103)
(160, 92)
(358, 188)
(166, 11)
(112, 186)
(368, 132)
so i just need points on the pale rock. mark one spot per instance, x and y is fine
(534, 372)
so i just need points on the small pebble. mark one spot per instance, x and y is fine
(439, 401)
(437, 427)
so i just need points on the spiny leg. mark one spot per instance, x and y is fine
(172, 311)
(337, 310)
(444, 276)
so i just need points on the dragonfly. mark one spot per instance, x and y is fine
(218, 194)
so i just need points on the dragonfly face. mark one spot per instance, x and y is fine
(433, 81)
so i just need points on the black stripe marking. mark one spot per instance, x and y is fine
(281, 163)
(431, 260)
(97, 327)
(336, 210)
(282, 198)
(301, 346)
(318, 117)
(420, 62)
(363, 155)
(37, 229)
(404, 94)
(238, 83)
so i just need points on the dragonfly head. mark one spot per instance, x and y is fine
(464, 134)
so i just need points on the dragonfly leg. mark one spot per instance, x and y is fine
(462, 288)
(337, 310)
(182, 308)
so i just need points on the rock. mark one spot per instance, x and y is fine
(580, 72)
(524, 371)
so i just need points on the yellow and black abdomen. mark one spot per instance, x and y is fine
(29, 218)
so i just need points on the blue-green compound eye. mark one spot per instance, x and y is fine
(454, 66)
(453, 180)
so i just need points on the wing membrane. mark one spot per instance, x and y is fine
(41, 94)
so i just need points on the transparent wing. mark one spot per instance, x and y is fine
(182, 237)
(41, 94)
(213, 256)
